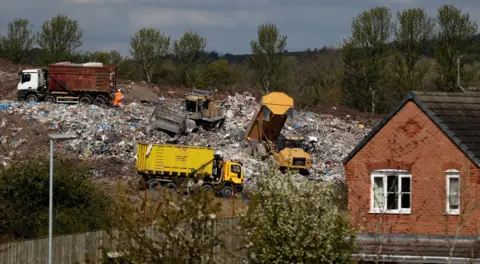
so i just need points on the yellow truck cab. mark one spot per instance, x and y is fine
(172, 165)
(233, 172)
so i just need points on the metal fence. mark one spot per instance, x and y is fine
(82, 248)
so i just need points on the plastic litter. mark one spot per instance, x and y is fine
(106, 132)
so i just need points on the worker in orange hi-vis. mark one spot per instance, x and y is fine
(118, 98)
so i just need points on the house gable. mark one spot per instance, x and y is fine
(412, 97)
(411, 145)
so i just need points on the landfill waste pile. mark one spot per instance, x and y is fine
(8, 79)
(106, 132)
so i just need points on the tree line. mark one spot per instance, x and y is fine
(384, 58)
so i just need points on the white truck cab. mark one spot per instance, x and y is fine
(29, 83)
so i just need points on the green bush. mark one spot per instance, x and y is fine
(79, 206)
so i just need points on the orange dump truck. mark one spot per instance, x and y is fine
(266, 126)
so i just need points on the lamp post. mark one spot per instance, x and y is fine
(50, 200)
(458, 73)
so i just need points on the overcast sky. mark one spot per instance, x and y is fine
(228, 25)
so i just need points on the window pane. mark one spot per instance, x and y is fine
(378, 201)
(392, 184)
(454, 193)
(406, 201)
(392, 201)
(406, 184)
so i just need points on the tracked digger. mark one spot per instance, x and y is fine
(200, 110)
(265, 128)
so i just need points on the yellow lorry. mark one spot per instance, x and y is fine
(266, 126)
(173, 165)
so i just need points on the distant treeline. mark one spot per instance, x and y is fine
(386, 56)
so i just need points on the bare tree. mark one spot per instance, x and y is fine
(184, 229)
(460, 211)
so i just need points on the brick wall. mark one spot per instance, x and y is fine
(411, 141)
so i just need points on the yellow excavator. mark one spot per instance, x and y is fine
(265, 128)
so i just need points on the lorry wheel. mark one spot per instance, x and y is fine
(226, 192)
(99, 100)
(85, 99)
(32, 98)
(154, 185)
(171, 186)
(207, 188)
(50, 99)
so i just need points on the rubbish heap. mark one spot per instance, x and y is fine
(113, 132)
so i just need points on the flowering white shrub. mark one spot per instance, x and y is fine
(293, 220)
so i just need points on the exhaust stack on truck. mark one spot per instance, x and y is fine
(69, 83)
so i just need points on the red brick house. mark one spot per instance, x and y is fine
(414, 181)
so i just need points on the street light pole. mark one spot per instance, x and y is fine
(458, 73)
(50, 204)
(50, 198)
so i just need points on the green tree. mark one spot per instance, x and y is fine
(454, 38)
(60, 37)
(290, 220)
(268, 59)
(148, 47)
(110, 57)
(79, 206)
(190, 50)
(318, 79)
(18, 41)
(365, 55)
(218, 74)
(413, 31)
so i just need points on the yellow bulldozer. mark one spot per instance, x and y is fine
(265, 128)
(200, 110)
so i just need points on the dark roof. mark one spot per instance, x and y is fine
(456, 114)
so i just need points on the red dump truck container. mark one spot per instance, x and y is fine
(69, 83)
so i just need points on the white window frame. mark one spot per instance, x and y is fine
(452, 173)
(383, 174)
